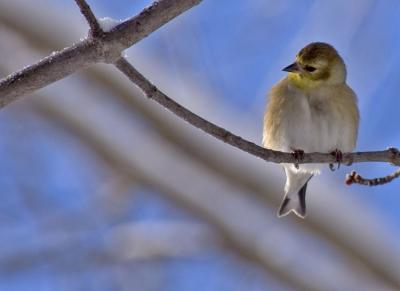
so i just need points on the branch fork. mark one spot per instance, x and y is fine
(101, 46)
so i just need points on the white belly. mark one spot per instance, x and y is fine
(314, 126)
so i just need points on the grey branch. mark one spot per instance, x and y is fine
(107, 150)
(91, 50)
(391, 155)
(253, 183)
(95, 29)
(354, 178)
(107, 48)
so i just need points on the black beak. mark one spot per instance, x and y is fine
(293, 68)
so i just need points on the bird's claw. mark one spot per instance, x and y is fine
(298, 156)
(338, 159)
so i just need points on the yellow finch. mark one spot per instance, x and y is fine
(311, 110)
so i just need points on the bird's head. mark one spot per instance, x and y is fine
(317, 64)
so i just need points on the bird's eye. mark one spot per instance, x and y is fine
(309, 69)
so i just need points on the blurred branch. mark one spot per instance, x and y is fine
(231, 236)
(230, 169)
(91, 50)
(108, 46)
(124, 242)
(146, 240)
(244, 180)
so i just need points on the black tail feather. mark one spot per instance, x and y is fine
(302, 199)
(297, 206)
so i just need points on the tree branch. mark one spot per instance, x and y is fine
(391, 155)
(195, 203)
(354, 178)
(90, 51)
(95, 29)
(264, 149)
(108, 47)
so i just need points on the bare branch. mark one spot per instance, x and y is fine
(95, 29)
(231, 237)
(89, 51)
(390, 155)
(395, 157)
(354, 178)
(149, 240)
(108, 49)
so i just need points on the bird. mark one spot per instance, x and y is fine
(312, 109)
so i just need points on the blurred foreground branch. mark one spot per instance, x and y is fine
(231, 236)
(107, 47)
(248, 180)
(124, 242)
(262, 149)
(147, 240)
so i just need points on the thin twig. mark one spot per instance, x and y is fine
(120, 162)
(87, 52)
(108, 49)
(355, 178)
(390, 155)
(95, 29)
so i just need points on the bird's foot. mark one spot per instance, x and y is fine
(338, 159)
(298, 156)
